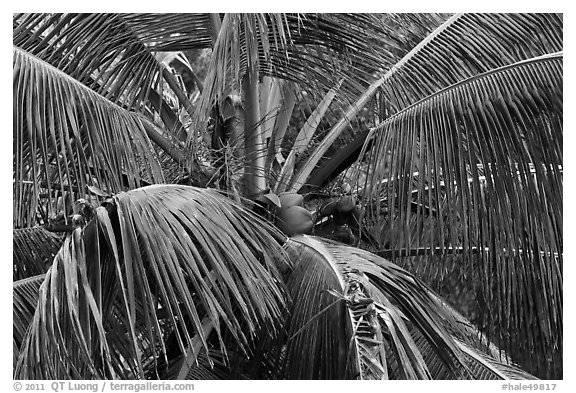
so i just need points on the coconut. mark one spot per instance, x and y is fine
(346, 204)
(295, 220)
(288, 199)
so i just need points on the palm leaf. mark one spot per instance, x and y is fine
(171, 32)
(313, 50)
(463, 46)
(377, 321)
(467, 45)
(486, 367)
(478, 363)
(483, 359)
(351, 314)
(68, 137)
(98, 50)
(213, 368)
(33, 250)
(106, 52)
(307, 131)
(24, 301)
(486, 156)
(112, 54)
(155, 258)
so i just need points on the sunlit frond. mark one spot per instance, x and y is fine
(112, 54)
(457, 123)
(98, 50)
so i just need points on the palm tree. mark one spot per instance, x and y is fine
(450, 137)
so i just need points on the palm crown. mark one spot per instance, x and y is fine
(446, 130)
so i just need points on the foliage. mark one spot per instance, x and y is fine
(449, 130)
(478, 165)
(33, 251)
(125, 284)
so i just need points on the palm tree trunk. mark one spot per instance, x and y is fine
(254, 176)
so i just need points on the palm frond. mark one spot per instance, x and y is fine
(171, 32)
(68, 137)
(159, 257)
(468, 45)
(378, 321)
(33, 250)
(463, 46)
(98, 50)
(208, 368)
(485, 155)
(483, 359)
(486, 367)
(479, 364)
(112, 54)
(352, 313)
(313, 50)
(24, 301)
